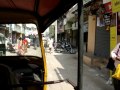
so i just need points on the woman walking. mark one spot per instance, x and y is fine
(22, 46)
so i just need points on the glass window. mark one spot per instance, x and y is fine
(19, 39)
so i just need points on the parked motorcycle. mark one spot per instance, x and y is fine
(64, 46)
(68, 47)
(10, 47)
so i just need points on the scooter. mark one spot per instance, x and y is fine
(68, 47)
(10, 47)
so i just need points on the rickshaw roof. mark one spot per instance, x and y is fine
(41, 12)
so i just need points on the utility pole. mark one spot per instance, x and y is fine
(80, 46)
(10, 33)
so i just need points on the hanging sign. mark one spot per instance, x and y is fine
(107, 18)
(115, 6)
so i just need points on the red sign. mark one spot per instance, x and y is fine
(108, 7)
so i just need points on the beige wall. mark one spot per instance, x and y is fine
(91, 34)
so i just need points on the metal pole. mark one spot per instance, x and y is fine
(10, 33)
(80, 46)
(56, 31)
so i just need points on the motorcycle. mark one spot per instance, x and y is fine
(67, 47)
(10, 47)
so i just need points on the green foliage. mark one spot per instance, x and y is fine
(52, 31)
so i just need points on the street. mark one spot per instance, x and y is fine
(30, 51)
(64, 66)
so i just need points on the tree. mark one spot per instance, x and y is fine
(52, 31)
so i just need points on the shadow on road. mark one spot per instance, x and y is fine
(91, 78)
(69, 64)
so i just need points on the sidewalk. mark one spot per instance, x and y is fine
(97, 63)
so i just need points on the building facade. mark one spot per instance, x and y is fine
(13, 31)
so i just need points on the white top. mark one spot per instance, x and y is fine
(51, 43)
(116, 53)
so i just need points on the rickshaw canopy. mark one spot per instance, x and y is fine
(41, 12)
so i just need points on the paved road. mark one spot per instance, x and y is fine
(57, 70)
(30, 51)
(62, 66)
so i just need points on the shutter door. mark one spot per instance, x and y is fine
(102, 42)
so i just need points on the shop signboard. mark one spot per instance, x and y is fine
(113, 37)
(108, 7)
(107, 20)
(115, 6)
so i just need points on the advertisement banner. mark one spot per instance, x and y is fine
(113, 37)
(115, 6)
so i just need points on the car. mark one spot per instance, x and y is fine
(19, 72)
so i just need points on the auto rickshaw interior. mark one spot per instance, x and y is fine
(28, 72)
(17, 73)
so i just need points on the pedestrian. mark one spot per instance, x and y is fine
(50, 45)
(22, 46)
(45, 43)
(115, 54)
(20, 50)
(25, 44)
(34, 41)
